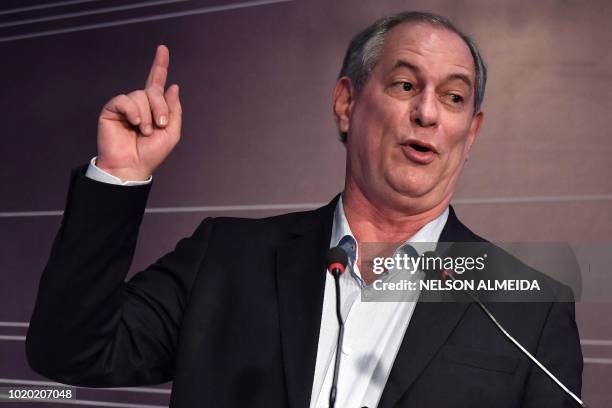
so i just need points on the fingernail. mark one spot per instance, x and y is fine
(163, 120)
(137, 121)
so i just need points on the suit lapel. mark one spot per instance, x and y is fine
(300, 280)
(430, 325)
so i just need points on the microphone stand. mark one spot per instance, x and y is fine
(334, 387)
(449, 274)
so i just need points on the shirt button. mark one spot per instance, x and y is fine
(346, 350)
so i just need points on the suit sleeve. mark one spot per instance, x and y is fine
(90, 327)
(559, 351)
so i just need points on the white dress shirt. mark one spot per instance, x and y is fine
(373, 331)
(95, 173)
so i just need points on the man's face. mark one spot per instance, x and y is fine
(412, 124)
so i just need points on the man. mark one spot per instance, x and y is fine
(242, 312)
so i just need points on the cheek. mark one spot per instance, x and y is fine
(376, 114)
(458, 141)
(368, 129)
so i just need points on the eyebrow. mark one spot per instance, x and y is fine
(405, 64)
(452, 77)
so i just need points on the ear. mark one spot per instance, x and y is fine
(342, 103)
(473, 132)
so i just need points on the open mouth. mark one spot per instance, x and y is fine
(419, 152)
(420, 148)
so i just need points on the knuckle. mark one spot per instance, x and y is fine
(117, 100)
(153, 92)
(154, 88)
(129, 107)
(159, 103)
(138, 94)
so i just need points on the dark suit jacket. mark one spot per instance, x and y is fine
(232, 316)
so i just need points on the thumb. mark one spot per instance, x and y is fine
(175, 110)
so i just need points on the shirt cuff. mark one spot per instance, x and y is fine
(95, 173)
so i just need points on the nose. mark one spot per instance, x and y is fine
(425, 110)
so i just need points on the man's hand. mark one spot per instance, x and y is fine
(137, 131)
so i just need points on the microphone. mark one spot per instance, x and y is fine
(337, 259)
(446, 274)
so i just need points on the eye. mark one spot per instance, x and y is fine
(401, 88)
(407, 86)
(457, 99)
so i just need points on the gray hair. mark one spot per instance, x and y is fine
(366, 47)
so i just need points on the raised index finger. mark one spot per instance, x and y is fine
(159, 69)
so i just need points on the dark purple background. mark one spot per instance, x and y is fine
(256, 86)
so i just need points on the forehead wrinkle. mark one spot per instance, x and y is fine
(458, 76)
(428, 41)
(437, 55)
(400, 63)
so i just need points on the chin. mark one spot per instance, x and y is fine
(411, 185)
(412, 191)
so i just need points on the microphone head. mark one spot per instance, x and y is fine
(337, 259)
(409, 250)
